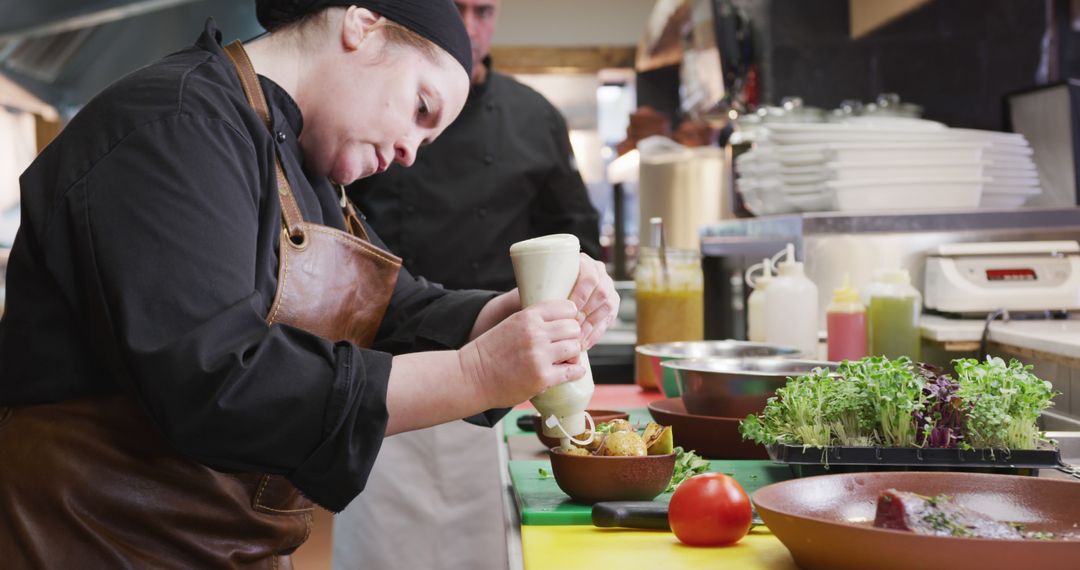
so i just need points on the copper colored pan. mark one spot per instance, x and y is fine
(826, 522)
(710, 437)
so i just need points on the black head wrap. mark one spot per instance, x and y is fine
(435, 20)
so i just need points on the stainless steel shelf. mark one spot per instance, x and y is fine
(717, 238)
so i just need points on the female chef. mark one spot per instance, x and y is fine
(202, 337)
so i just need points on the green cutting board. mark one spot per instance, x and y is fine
(541, 502)
(640, 416)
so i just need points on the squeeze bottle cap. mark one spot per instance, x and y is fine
(846, 294)
(789, 266)
(789, 256)
(766, 273)
(895, 277)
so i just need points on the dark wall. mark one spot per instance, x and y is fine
(659, 89)
(957, 58)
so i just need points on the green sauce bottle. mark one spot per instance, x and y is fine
(892, 320)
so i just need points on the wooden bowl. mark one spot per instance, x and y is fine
(593, 478)
(598, 416)
(827, 521)
(710, 437)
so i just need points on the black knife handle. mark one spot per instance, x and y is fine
(525, 422)
(631, 514)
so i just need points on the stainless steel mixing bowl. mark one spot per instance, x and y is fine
(654, 354)
(735, 387)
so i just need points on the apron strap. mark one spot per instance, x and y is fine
(352, 216)
(290, 210)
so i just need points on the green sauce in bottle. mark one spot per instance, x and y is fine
(893, 317)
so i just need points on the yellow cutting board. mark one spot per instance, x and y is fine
(570, 547)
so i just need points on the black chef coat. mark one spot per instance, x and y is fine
(502, 172)
(147, 257)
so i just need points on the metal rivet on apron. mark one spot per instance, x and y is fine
(280, 137)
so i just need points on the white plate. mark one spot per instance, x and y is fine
(904, 126)
(1002, 201)
(910, 195)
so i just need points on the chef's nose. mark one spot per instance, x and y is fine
(405, 153)
(471, 20)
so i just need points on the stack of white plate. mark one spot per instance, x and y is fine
(893, 164)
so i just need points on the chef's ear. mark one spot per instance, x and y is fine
(356, 26)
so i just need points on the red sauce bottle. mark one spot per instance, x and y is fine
(845, 320)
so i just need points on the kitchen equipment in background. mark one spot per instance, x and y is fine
(735, 387)
(627, 300)
(755, 305)
(861, 245)
(684, 186)
(892, 321)
(545, 269)
(791, 307)
(890, 105)
(1049, 117)
(890, 195)
(825, 521)
(710, 437)
(654, 354)
(845, 322)
(668, 295)
(980, 278)
(865, 163)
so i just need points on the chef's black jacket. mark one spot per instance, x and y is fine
(147, 258)
(501, 173)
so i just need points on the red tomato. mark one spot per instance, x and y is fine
(710, 509)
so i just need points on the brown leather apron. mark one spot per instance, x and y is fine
(92, 483)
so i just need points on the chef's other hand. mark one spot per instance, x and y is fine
(597, 302)
(528, 352)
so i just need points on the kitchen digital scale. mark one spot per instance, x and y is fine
(980, 278)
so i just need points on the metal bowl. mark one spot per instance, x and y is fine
(651, 355)
(735, 387)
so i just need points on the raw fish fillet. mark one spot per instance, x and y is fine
(938, 516)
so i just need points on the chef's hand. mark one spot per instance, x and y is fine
(597, 302)
(528, 352)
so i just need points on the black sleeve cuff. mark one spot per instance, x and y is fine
(488, 418)
(335, 473)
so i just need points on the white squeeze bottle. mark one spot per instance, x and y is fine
(791, 307)
(755, 305)
(546, 268)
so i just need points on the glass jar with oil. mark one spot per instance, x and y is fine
(670, 304)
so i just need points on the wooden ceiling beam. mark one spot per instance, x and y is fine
(548, 59)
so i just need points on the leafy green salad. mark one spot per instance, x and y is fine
(897, 403)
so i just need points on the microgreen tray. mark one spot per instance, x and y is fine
(815, 460)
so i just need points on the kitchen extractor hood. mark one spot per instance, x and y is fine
(66, 51)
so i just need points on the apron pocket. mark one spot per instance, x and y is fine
(275, 494)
